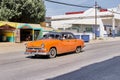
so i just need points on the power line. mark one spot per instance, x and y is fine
(77, 5)
(68, 4)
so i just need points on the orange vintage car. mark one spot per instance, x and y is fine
(55, 43)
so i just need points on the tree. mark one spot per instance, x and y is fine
(25, 11)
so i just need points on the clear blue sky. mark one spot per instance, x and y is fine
(58, 9)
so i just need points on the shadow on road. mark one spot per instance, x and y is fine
(38, 57)
(106, 70)
(46, 57)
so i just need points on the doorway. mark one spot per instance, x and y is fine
(26, 35)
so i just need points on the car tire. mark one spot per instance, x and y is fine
(78, 49)
(52, 53)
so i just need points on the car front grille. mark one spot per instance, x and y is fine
(33, 48)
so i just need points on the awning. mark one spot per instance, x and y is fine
(7, 27)
(29, 26)
(11, 24)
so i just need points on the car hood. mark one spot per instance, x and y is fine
(38, 43)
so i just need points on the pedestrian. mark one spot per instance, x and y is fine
(110, 32)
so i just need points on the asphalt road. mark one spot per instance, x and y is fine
(98, 61)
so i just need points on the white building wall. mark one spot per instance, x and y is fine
(62, 23)
(102, 31)
(67, 23)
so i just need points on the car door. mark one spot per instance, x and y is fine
(63, 45)
(72, 42)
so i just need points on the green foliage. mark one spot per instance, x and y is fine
(26, 11)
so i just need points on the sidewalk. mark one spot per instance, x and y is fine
(7, 47)
(107, 39)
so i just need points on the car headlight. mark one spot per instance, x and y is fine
(42, 45)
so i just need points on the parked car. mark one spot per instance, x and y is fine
(55, 43)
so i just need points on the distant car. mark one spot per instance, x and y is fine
(54, 43)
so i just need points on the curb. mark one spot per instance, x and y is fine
(109, 39)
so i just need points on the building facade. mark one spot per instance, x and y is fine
(94, 22)
(19, 32)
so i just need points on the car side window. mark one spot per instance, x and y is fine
(51, 36)
(57, 36)
(64, 36)
(71, 36)
(45, 36)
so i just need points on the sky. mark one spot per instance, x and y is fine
(53, 9)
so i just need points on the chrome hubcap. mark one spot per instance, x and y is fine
(52, 53)
(78, 50)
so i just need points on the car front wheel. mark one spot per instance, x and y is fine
(52, 53)
(78, 50)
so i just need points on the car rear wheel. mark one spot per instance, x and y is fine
(52, 53)
(78, 49)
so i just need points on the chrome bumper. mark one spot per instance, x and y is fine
(35, 53)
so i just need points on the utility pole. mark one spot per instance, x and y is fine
(95, 19)
(113, 25)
